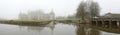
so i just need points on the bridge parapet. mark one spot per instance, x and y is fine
(106, 19)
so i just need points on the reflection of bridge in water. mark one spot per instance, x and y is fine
(110, 30)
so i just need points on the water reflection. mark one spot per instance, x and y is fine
(58, 29)
(83, 29)
(51, 26)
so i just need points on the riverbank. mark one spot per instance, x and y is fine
(26, 22)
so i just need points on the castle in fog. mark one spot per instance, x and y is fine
(37, 15)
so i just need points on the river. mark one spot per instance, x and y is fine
(52, 29)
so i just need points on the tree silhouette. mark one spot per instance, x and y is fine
(81, 11)
(94, 9)
(87, 9)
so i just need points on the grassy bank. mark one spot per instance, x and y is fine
(70, 20)
(26, 22)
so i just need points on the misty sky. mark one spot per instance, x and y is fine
(11, 8)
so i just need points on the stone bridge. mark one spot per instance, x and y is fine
(106, 21)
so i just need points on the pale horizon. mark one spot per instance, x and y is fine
(11, 8)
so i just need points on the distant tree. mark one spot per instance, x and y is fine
(87, 9)
(81, 10)
(71, 16)
(94, 9)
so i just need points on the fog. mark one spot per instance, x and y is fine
(10, 9)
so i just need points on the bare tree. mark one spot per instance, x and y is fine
(94, 9)
(81, 11)
(87, 10)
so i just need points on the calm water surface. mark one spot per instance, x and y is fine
(51, 29)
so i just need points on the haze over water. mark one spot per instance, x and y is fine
(52, 29)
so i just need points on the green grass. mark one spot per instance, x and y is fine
(68, 19)
(38, 20)
(24, 20)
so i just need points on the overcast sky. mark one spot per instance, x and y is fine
(10, 9)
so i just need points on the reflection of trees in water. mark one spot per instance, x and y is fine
(38, 28)
(80, 30)
(94, 32)
(31, 28)
(52, 25)
(34, 28)
(86, 30)
(68, 23)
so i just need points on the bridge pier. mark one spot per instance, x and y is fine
(114, 23)
(94, 23)
(99, 23)
(106, 23)
(119, 24)
(110, 24)
(103, 24)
